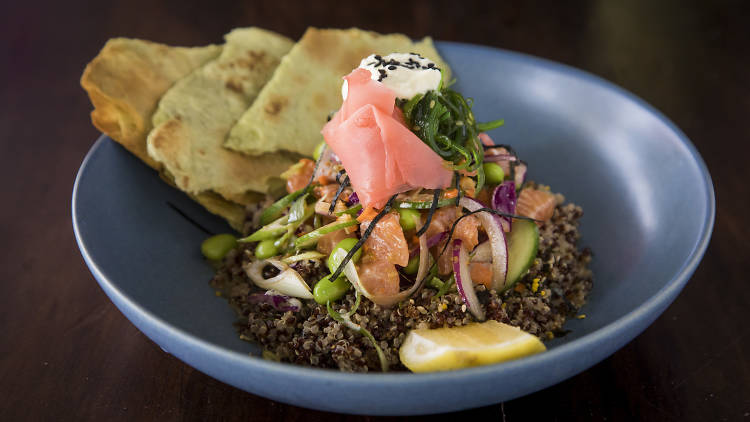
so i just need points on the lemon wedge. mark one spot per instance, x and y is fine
(443, 349)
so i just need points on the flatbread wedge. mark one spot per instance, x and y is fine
(195, 116)
(125, 82)
(306, 87)
(127, 78)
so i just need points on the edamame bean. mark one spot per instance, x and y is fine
(493, 173)
(413, 266)
(319, 150)
(406, 218)
(347, 245)
(326, 289)
(216, 247)
(266, 249)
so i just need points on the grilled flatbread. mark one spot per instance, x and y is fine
(127, 78)
(196, 114)
(125, 82)
(292, 108)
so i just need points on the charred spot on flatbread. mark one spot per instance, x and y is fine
(275, 105)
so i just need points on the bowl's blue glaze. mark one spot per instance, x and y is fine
(649, 212)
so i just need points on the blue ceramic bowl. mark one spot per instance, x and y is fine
(649, 212)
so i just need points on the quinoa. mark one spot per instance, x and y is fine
(554, 289)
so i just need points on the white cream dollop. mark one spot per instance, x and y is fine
(407, 74)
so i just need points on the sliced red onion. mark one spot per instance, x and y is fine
(353, 199)
(520, 173)
(434, 240)
(504, 200)
(277, 301)
(464, 284)
(497, 240)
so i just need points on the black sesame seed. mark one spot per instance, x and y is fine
(391, 67)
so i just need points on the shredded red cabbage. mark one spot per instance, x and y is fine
(504, 200)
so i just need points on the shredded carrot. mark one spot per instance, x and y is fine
(368, 214)
(450, 193)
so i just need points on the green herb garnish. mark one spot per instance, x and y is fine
(443, 119)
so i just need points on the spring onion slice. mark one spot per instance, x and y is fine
(303, 257)
(274, 211)
(312, 238)
(351, 210)
(485, 126)
(269, 231)
(298, 210)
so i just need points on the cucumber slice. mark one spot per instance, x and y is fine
(523, 242)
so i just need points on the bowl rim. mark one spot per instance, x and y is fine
(647, 309)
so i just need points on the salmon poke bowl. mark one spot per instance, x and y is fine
(423, 228)
(406, 189)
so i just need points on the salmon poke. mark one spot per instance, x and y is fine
(410, 240)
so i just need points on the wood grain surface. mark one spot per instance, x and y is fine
(66, 353)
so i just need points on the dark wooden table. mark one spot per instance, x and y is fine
(66, 353)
